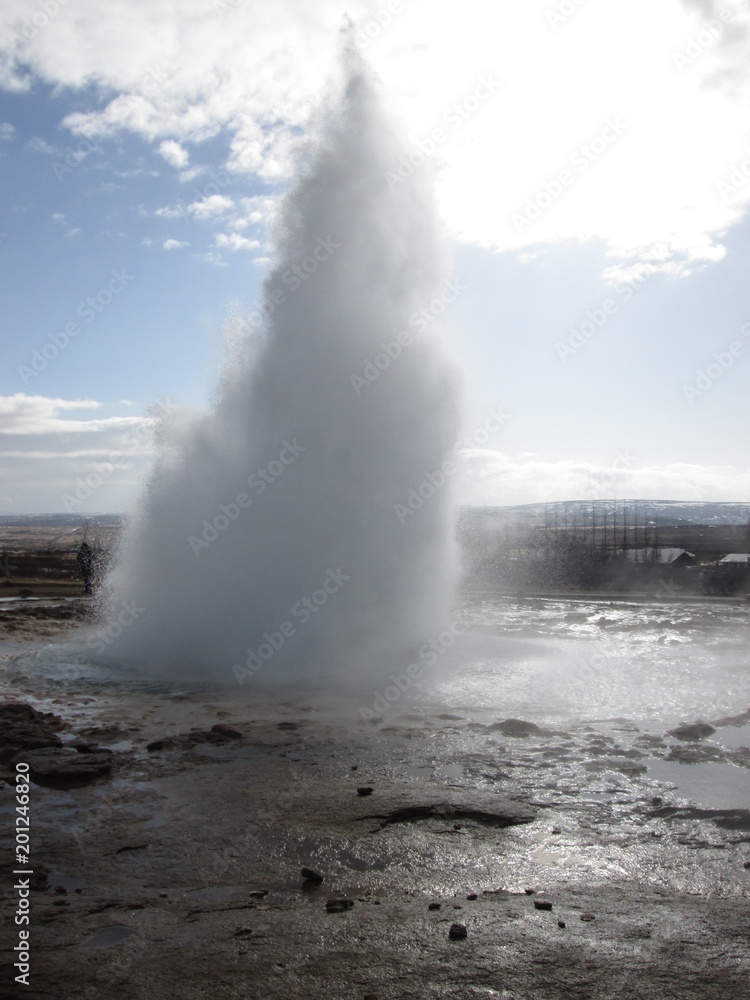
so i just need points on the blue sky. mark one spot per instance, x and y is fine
(592, 165)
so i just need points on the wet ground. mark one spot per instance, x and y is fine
(178, 873)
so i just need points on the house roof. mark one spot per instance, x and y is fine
(664, 556)
(736, 557)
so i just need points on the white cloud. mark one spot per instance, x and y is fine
(174, 153)
(496, 479)
(73, 232)
(214, 204)
(59, 217)
(47, 450)
(172, 244)
(21, 415)
(501, 142)
(7, 131)
(38, 145)
(233, 241)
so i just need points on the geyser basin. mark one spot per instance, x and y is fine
(268, 540)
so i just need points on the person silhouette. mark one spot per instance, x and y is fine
(85, 560)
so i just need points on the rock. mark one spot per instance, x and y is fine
(747, 864)
(339, 905)
(227, 731)
(556, 830)
(354, 767)
(472, 895)
(692, 731)
(311, 876)
(434, 906)
(243, 931)
(457, 932)
(529, 892)
(560, 923)
(587, 917)
(61, 889)
(657, 800)
(364, 791)
(24, 728)
(260, 893)
(56, 764)
(542, 904)
(516, 727)
(162, 744)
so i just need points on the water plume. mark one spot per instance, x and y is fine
(302, 529)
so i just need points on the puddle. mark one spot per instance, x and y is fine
(218, 894)
(453, 771)
(108, 937)
(710, 785)
(733, 736)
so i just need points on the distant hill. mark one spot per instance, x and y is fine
(661, 513)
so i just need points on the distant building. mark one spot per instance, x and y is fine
(736, 559)
(662, 556)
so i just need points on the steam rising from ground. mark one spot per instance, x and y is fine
(317, 569)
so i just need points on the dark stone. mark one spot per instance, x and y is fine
(587, 917)
(529, 892)
(311, 876)
(542, 904)
(560, 923)
(472, 895)
(159, 744)
(55, 765)
(457, 932)
(516, 727)
(364, 791)
(692, 731)
(224, 730)
(434, 906)
(24, 728)
(258, 893)
(339, 905)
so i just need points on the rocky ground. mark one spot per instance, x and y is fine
(453, 858)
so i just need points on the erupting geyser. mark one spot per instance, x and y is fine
(274, 538)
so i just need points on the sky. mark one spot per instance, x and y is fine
(592, 167)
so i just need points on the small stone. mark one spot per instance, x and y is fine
(556, 829)
(529, 892)
(747, 864)
(223, 730)
(457, 906)
(258, 893)
(657, 800)
(60, 888)
(311, 876)
(542, 904)
(692, 731)
(162, 895)
(457, 826)
(364, 791)
(457, 932)
(472, 895)
(434, 906)
(560, 923)
(339, 905)
(243, 931)
(61, 902)
(354, 767)
(587, 917)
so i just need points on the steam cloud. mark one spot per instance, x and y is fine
(269, 524)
